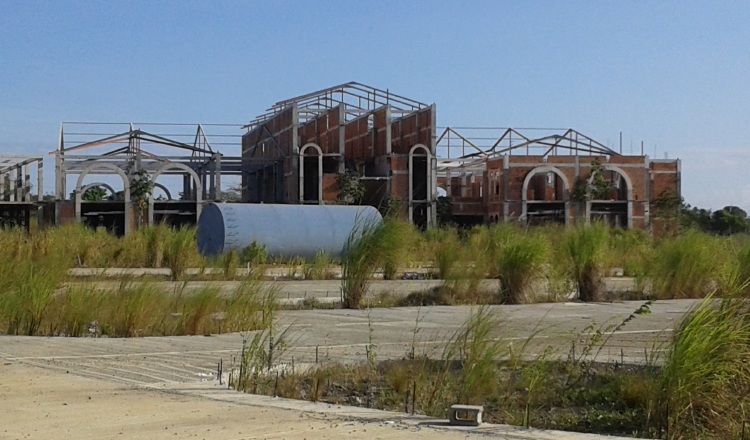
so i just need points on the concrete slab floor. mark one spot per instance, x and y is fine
(158, 380)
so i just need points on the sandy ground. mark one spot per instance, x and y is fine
(37, 403)
(166, 387)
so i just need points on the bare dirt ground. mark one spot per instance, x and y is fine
(43, 404)
(154, 388)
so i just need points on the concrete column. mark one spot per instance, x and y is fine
(295, 159)
(11, 187)
(19, 183)
(506, 182)
(342, 138)
(27, 184)
(39, 180)
(186, 187)
(60, 169)
(204, 183)
(217, 175)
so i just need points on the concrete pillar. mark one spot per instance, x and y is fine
(217, 175)
(27, 184)
(19, 183)
(40, 180)
(506, 182)
(11, 187)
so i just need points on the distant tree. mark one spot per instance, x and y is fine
(726, 221)
(93, 194)
(232, 194)
(692, 217)
(729, 220)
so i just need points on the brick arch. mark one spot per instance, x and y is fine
(629, 192)
(545, 169)
(623, 174)
(525, 188)
(302, 152)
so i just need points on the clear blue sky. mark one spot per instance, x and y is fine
(673, 74)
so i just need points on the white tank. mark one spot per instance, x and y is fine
(285, 230)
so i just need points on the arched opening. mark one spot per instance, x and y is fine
(546, 187)
(545, 196)
(419, 186)
(98, 191)
(161, 193)
(311, 174)
(97, 210)
(610, 197)
(176, 213)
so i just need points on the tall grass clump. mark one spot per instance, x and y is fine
(133, 311)
(397, 245)
(200, 312)
(445, 250)
(520, 259)
(585, 247)
(478, 353)
(742, 262)
(705, 381)
(630, 249)
(319, 268)
(27, 296)
(230, 262)
(29, 279)
(157, 239)
(464, 263)
(78, 245)
(363, 254)
(181, 251)
(367, 249)
(690, 265)
(74, 313)
(250, 307)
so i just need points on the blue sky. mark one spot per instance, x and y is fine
(673, 74)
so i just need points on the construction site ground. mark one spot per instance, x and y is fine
(167, 387)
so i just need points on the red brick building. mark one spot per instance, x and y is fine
(563, 178)
(297, 152)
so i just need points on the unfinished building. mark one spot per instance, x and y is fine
(560, 177)
(119, 188)
(17, 203)
(353, 144)
(304, 149)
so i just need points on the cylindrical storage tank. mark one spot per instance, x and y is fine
(285, 230)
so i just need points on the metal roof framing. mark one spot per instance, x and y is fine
(357, 99)
(473, 151)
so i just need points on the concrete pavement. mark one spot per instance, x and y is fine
(176, 372)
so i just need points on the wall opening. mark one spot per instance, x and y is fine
(419, 188)
(311, 183)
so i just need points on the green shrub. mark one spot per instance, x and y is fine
(520, 259)
(585, 246)
(254, 254)
(181, 252)
(705, 381)
(690, 265)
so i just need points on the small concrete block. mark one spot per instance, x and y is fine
(466, 415)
